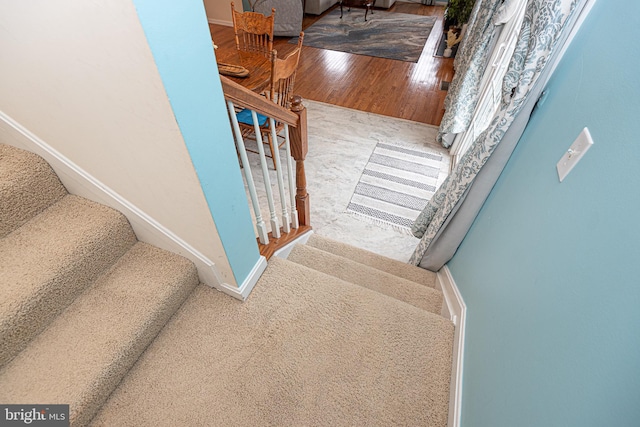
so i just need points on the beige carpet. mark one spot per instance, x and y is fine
(84, 353)
(49, 261)
(351, 271)
(363, 256)
(80, 298)
(305, 349)
(92, 318)
(28, 185)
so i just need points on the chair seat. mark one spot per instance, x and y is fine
(245, 117)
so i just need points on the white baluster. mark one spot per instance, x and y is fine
(286, 222)
(292, 180)
(275, 227)
(260, 225)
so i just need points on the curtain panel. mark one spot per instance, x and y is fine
(542, 27)
(470, 63)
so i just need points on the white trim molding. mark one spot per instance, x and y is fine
(454, 309)
(220, 22)
(147, 229)
(284, 251)
(245, 289)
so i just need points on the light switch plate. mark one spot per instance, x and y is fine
(573, 155)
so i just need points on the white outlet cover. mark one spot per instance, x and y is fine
(573, 155)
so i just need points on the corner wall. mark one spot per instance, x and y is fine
(550, 271)
(179, 38)
(219, 12)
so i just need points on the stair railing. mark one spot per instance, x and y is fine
(295, 218)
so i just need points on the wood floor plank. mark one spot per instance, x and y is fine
(383, 86)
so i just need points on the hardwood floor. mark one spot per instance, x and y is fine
(392, 88)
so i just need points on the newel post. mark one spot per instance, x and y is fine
(299, 149)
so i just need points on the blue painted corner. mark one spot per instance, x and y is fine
(550, 271)
(179, 37)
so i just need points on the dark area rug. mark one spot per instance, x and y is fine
(399, 36)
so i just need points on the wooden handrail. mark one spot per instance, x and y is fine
(245, 98)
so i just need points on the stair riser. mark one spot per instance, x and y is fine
(28, 186)
(81, 299)
(50, 284)
(99, 337)
(401, 289)
(306, 349)
(391, 266)
(130, 351)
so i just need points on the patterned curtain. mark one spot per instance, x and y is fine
(470, 63)
(543, 24)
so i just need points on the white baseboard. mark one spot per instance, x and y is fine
(245, 289)
(79, 182)
(455, 310)
(220, 22)
(284, 251)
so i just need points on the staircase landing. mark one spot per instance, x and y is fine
(305, 349)
(122, 332)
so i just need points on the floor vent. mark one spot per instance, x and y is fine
(444, 85)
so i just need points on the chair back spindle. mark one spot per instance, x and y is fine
(283, 75)
(253, 31)
(280, 91)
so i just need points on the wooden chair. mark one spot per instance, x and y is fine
(253, 31)
(283, 76)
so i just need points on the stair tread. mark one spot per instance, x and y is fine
(28, 186)
(304, 349)
(83, 354)
(49, 260)
(418, 295)
(363, 256)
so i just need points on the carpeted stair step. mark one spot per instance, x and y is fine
(84, 353)
(305, 349)
(49, 260)
(391, 266)
(351, 271)
(28, 186)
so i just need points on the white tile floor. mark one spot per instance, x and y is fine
(340, 143)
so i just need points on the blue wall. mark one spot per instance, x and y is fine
(178, 34)
(550, 271)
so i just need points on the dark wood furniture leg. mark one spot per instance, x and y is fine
(369, 7)
(367, 4)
